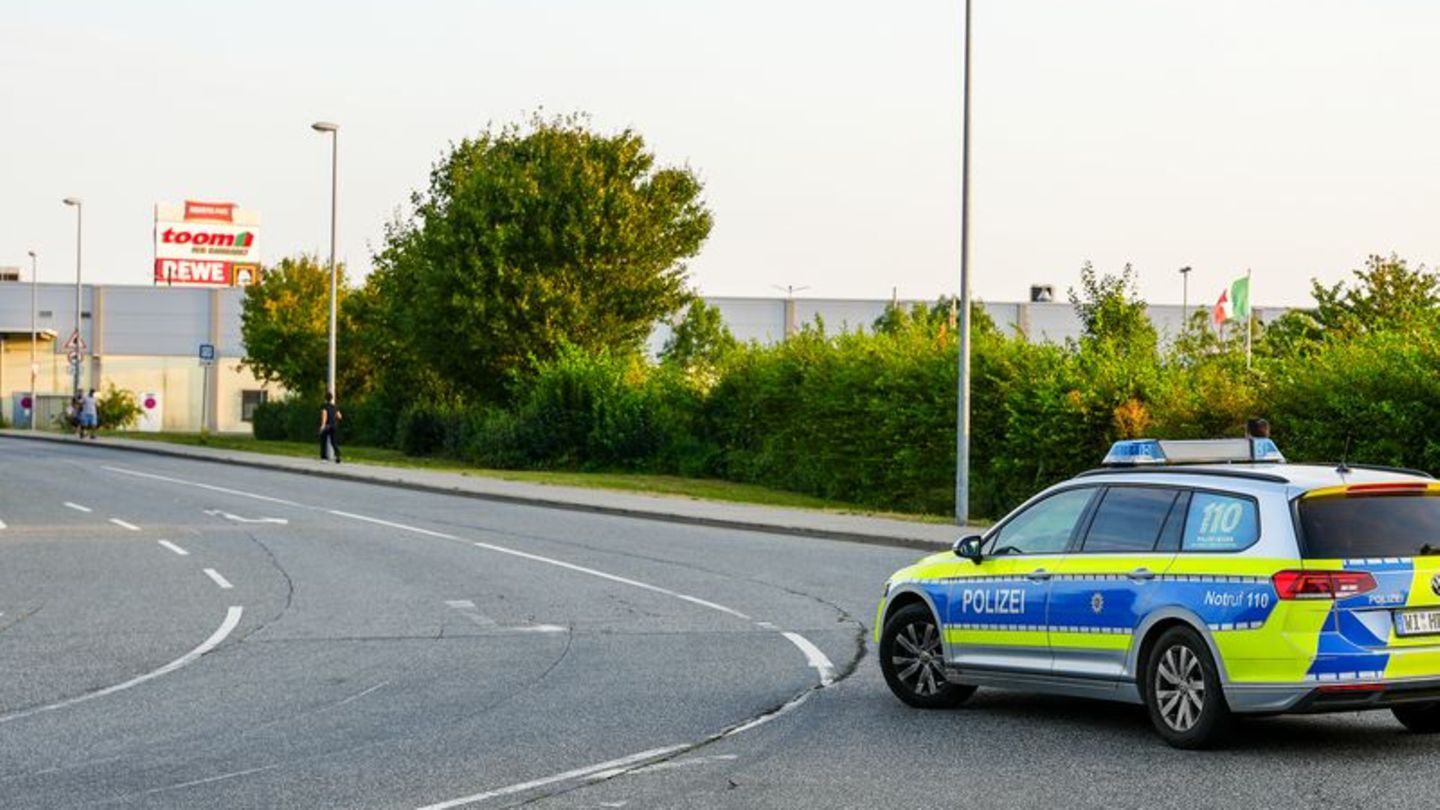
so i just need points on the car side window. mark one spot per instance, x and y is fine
(1216, 522)
(1129, 519)
(1043, 528)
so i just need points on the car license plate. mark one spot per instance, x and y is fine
(1419, 622)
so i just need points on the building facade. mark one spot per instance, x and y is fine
(144, 339)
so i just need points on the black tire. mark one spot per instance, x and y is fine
(1419, 718)
(913, 661)
(1182, 692)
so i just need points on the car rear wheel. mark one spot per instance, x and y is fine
(912, 658)
(1419, 718)
(1182, 692)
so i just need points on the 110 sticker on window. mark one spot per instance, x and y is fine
(1219, 523)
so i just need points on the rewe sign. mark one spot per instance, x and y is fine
(206, 244)
(184, 271)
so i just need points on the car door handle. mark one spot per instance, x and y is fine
(1141, 574)
(1039, 575)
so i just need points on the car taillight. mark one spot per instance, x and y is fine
(1322, 584)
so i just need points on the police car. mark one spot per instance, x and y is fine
(1202, 579)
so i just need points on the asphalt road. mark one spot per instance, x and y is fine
(184, 634)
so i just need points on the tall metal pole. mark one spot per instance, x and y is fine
(1184, 298)
(79, 219)
(334, 130)
(962, 417)
(34, 338)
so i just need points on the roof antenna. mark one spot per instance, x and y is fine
(1344, 454)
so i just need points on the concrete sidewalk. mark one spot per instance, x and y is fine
(675, 509)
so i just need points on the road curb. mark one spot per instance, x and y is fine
(336, 473)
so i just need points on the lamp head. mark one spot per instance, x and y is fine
(32, 253)
(325, 126)
(71, 200)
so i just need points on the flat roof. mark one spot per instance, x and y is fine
(16, 333)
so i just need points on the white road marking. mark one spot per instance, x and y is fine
(669, 765)
(2, 525)
(361, 694)
(208, 780)
(578, 773)
(232, 618)
(238, 519)
(122, 524)
(198, 485)
(460, 604)
(219, 580)
(613, 578)
(548, 561)
(178, 550)
(814, 657)
(78, 508)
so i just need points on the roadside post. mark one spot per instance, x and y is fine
(207, 359)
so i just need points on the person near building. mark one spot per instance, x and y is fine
(89, 414)
(330, 417)
(72, 414)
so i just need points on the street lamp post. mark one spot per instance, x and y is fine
(79, 218)
(962, 416)
(334, 130)
(34, 337)
(1184, 298)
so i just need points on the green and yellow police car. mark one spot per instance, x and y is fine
(1202, 579)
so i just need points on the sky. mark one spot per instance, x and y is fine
(1289, 137)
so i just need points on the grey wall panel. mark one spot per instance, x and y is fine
(156, 320)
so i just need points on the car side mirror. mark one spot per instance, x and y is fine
(969, 547)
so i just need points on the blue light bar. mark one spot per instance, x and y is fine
(1133, 452)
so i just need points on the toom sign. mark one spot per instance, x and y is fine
(206, 244)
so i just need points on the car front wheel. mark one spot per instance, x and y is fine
(912, 658)
(1182, 692)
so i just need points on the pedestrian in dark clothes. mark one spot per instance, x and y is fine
(1257, 428)
(330, 417)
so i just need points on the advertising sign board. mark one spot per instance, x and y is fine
(206, 244)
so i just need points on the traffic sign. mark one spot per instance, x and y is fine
(75, 345)
(207, 354)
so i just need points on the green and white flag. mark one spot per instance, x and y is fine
(1240, 297)
(1234, 303)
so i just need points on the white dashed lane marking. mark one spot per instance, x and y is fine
(178, 550)
(77, 507)
(219, 580)
(122, 524)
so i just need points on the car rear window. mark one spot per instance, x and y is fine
(1370, 526)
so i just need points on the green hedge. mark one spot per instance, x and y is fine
(869, 418)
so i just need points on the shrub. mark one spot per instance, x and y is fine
(116, 409)
(269, 420)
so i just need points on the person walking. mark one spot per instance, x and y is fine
(89, 414)
(330, 417)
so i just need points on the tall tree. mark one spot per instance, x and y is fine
(1387, 294)
(285, 323)
(531, 238)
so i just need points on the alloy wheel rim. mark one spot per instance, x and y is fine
(917, 658)
(1180, 688)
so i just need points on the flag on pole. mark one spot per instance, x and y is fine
(1234, 303)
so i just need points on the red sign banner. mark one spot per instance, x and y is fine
(212, 212)
(190, 271)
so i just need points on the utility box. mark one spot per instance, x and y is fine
(23, 409)
(152, 412)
